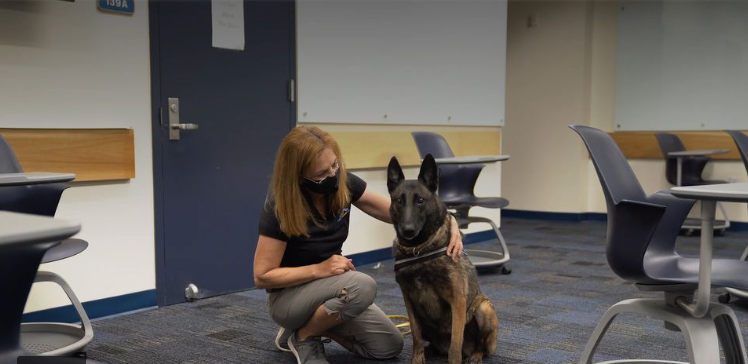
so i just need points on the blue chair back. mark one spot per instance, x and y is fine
(671, 143)
(8, 161)
(38, 199)
(428, 142)
(632, 221)
(741, 140)
(692, 167)
(455, 181)
(616, 176)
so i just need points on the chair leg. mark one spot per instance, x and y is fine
(500, 236)
(728, 331)
(702, 341)
(44, 276)
(724, 213)
(703, 335)
(603, 325)
(504, 248)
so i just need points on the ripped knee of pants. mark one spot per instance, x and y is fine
(351, 301)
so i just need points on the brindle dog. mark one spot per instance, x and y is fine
(444, 301)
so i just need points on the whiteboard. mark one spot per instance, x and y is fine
(682, 65)
(401, 62)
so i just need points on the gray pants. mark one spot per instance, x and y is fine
(365, 331)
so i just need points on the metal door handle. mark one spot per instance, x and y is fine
(174, 126)
(184, 126)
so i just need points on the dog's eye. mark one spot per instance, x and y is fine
(419, 200)
(398, 200)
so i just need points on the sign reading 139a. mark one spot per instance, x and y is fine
(117, 6)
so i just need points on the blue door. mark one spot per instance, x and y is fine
(234, 107)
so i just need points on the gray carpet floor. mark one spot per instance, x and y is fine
(547, 308)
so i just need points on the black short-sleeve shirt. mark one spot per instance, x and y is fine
(323, 241)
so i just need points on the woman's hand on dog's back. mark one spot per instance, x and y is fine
(333, 266)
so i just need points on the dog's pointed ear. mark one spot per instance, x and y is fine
(429, 174)
(394, 174)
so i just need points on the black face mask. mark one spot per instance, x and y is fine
(327, 186)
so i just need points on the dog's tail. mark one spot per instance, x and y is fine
(488, 325)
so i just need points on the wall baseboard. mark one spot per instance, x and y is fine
(738, 226)
(555, 216)
(97, 308)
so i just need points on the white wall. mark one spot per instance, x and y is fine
(67, 65)
(548, 72)
(560, 72)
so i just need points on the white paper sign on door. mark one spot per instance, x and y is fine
(228, 24)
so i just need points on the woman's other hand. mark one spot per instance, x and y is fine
(334, 265)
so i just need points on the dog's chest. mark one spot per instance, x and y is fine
(428, 287)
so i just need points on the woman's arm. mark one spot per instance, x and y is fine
(455, 248)
(269, 274)
(375, 205)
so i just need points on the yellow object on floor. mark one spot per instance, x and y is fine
(400, 326)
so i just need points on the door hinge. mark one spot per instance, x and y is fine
(292, 90)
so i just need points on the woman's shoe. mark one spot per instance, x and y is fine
(309, 351)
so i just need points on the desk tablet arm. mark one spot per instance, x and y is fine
(667, 199)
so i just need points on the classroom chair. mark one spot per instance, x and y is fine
(46, 338)
(692, 167)
(456, 185)
(691, 175)
(641, 249)
(24, 240)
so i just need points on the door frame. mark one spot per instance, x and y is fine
(156, 130)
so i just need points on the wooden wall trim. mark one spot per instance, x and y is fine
(373, 149)
(92, 154)
(643, 144)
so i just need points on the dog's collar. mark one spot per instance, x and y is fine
(416, 250)
(402, 263)
(414, 253)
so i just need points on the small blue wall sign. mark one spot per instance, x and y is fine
(117, 6)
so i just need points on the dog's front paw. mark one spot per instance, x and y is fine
(418, 359)
(474, 360)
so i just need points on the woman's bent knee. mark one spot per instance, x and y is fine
(354, 298)
(363, 290)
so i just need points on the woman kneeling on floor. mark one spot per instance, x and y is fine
(314, 290)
